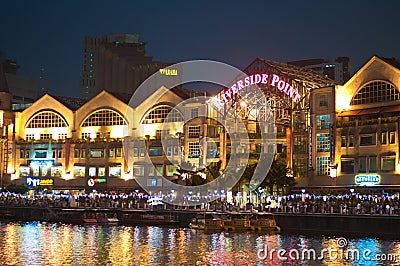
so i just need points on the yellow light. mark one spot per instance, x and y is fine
(67, 176)
(333, 172)
(13, 176)
(342, 102)
(127, 176)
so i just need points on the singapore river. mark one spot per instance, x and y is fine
(39, 243)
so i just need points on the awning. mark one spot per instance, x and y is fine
(375, 110)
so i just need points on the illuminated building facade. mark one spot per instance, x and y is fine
(331, 135)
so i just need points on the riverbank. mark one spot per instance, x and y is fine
(371, 225)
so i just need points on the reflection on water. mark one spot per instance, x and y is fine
(56, 244)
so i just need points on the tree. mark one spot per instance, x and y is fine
(279, 176)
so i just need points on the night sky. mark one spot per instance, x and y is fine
(50, 34)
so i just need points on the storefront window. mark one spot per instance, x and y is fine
(115, 170)
(24, 170)
(388, 163)
(97, 153)
(138, 170)
(56, 171)
(323, 165)
(79, 171)
(92, 171)
(102, 171)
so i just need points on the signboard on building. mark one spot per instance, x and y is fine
(92, 181)
(310, 147)
(367, 179)
(332, 144)
(37, 182)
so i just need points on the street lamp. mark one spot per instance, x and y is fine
(352, 191)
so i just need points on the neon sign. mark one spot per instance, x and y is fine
(255, 79)
(367, 179)
(35, 182)
(169, 72)
(92, 181)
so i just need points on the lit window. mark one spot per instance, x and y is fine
(323, 165)
(79, 171)
(155, 151)
(97, 153)
(55, 171)
(92, 171)
(171, 170)
(163, 114)
(376, 91)
(323, 121)
(118, 152)
(46, 136)
(194, 150)
(102, 171)
(115, 170)
(104, 117)
(62, 135)
(138, 170)
(388, 163)
(392, 137)
(323, 142)
(47, 119)
(194, 131)
(111, 152)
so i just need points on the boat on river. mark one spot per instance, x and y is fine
(85, 216)
(235, 221)
(148, 217)
(208, 221)
(263, 221)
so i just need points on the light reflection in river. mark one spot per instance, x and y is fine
(57, 244)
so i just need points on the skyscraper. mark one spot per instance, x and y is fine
(115, 62)
(337, 69)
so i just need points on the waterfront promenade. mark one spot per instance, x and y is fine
(355, 214)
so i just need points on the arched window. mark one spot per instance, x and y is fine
(375, 92)
(47, 119)
(104, 117)
(163, 114)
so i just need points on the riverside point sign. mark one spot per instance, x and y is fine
(274, 80)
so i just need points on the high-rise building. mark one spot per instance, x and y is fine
(337, 69)
(115, 62)
(24, 90)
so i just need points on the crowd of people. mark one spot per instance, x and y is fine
(352, 203)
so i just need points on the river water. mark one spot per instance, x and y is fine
(39, 243)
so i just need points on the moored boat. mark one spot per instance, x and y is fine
(263, 221)
(237, 221)
(208, 221)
